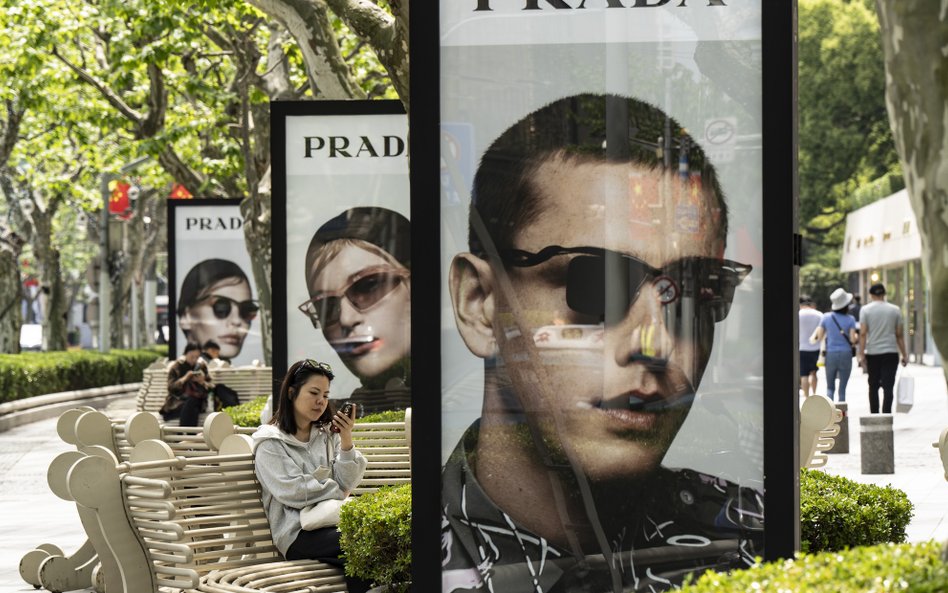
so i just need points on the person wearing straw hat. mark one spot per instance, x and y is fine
(839, 330)
(881, 344)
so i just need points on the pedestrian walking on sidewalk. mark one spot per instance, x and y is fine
(809, 319)
(881, 344)
(839, 330)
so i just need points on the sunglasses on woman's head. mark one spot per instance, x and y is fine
(314, 365)
(604, 284)
(221, 306)
(363, 292)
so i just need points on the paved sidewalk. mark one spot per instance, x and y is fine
(29, 513)
(918, 469)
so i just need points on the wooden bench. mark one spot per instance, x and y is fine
(91, 430)
(819, 424)
(197, 486)
(249, 382)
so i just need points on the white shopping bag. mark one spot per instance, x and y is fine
(904, 393)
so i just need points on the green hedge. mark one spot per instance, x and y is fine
(837, 513)
(376, 537)
(906, 568)
(37, 373)
(248, 414)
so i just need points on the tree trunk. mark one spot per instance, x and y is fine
(914, 35)
(55, 306)
(11, 294)
(256, 213)
(50, 273)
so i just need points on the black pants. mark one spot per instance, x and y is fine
(191, 409)
(881, 369)
(323, 545)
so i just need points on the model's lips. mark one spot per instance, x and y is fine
(232, 339)
(638, 411)
(357, 345)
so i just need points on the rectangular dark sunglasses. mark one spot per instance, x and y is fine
(603, 284)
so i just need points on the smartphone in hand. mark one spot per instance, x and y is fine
(346, 411)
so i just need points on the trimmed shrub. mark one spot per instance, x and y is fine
(37, 373)
(837, 513)
(387, 416)
(247, 414)
(907, 568)
(376, 537)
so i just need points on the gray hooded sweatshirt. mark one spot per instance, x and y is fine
(287, 469)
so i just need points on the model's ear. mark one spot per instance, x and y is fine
(471, 282)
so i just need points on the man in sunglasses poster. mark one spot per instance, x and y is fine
(595, 278)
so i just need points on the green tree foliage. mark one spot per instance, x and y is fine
(845, 141)
(187, 88)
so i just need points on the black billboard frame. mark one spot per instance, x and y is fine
(173, 205)
(280, 111)
(780, 331)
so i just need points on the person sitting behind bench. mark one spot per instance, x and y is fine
(224, 396)
(305, 455)
(187, 388)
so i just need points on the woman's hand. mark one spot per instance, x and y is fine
(344, 424)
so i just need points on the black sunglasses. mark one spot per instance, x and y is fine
(314, 365)
(364, 292)
(221, 306)
(603, 284)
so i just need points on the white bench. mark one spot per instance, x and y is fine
(942, 446)
(113, 524)
(249, 382)
(819, 424)
(92, 432)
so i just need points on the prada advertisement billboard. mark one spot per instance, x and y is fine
(602, 354)
(342, 255)
(213, 296)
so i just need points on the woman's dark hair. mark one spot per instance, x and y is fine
(202, 277)
(297, 376)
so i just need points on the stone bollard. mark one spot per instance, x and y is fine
(875, 439)
(841, 444)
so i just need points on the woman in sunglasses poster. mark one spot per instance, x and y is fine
(357, 275)
(216, 303)
(215, 296)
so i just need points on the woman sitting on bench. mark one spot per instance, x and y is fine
(303, 457)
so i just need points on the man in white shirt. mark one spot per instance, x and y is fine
(881, 344)
(809, 352)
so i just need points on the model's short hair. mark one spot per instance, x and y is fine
(387, 230)
(578, 129)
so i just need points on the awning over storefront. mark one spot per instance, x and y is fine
(881, 234)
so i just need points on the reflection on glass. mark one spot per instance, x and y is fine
(592, 287)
